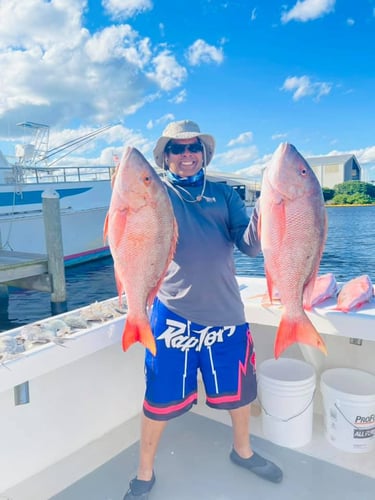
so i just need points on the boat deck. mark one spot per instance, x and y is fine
(193, 462)
(77, 438)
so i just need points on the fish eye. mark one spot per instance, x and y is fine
(147, 179)
(303, 171)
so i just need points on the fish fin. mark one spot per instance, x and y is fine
(267, 302)
(299, 330)
(277, 211)
(105, 228)
(138, 332)
(259, 225)
(270, 287)
(308, 291)
(309, 287)
(119, 286)
(118, 220)
(172, 250)
(175, 237)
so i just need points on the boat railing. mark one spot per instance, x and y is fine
(39, 175)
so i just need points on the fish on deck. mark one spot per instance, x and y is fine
(292, 229)
(142, 235)
(355, 293)
(325, 287)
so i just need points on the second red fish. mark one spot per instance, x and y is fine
(293, 229)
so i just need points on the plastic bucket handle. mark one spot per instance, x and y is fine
(371, 430)
(293, 416)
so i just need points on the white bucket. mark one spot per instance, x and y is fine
(349, 409)
(286, 390)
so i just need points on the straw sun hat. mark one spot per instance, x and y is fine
(184, 129)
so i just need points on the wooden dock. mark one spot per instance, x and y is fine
(45, 273)
(25, 270)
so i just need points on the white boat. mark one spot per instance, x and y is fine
(84, 193)
(72, 431)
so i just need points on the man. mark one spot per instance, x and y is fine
(198, 317)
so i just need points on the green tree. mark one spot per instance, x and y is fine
(354, 187)
(353, 193)
(328, 193)
(352, 199)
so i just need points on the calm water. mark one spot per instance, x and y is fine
(349, 249)
(349, 252)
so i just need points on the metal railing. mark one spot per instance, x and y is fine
(33, 175)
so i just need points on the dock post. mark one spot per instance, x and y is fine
(4, 295)
(54, 244)
(4, 303)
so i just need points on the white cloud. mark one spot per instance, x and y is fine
(243, 138)
(236, 157)
(256, 168)
(162, 29)
(365, 156)
(36, 24)
(253, 14)
(123, 9)
(308, 10)
(166, 72)
(279, 136)
(160, 121)
(201, 52)
(119, 42)
(179, 98)
(350, 21)
(54, 70)
(302, 86)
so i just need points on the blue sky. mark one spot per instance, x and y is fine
(251, 73)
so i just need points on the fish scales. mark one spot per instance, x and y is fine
(142, 234)
(292, 229)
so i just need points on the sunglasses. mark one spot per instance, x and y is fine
(178, 149)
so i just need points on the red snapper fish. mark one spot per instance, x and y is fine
(292, 229)
(355, 293)
(142, 233)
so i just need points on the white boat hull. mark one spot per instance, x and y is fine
(82, 218)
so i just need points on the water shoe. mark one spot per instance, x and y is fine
(259, 466)
(139, 489)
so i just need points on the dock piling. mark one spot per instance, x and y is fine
(55, 252)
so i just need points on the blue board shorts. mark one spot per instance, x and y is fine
(224, 354)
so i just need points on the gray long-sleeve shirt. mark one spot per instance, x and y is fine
(200, 283)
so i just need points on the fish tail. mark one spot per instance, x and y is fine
(298, 330)
(138, 332)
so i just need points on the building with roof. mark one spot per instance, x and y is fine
(335, 169)
(247, 188)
